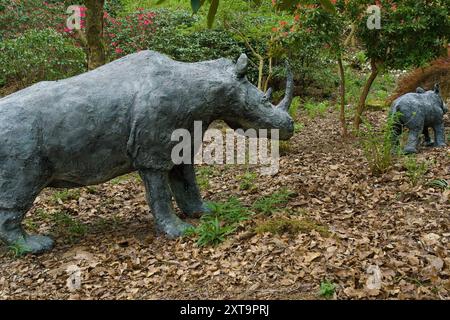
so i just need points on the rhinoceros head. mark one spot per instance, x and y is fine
(251, 108)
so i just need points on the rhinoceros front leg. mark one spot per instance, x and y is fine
(185, 190)
(12, 234)
(159, 198)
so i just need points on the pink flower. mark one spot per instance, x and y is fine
(119, 51)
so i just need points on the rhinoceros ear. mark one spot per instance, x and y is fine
(420, 90)
(241, 66)
(437, 88)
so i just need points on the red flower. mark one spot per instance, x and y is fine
(119, 51)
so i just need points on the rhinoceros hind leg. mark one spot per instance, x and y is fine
(12, 234)
(428, 141)
(413, 140)
(159, 197)
(439, 135)
(185, 190)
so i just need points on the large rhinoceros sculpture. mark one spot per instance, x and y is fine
(117, 119)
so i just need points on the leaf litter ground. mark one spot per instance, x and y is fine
(364, 236)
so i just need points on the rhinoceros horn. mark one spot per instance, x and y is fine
(241, 66)
(287, 100)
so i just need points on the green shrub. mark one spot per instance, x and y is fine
(378, 146)
(222, 221)
(171, 33)
(17, 17)
(247, 181)
(314, 110)
(39, 55)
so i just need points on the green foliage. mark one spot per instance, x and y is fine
(114, 7)
(67, 227)
(17, 17)
(378, 146)
(222, 221)
(39, 55)
(415, 170)
(439, 183)
(66, 195)
(267, 205)
(212, 232)
(327, 289)
(294, 107)
(169, 32)
(298, 127)
(203, 175)
(247, 181)
(412, 32)
(18, 249)
(314, 110)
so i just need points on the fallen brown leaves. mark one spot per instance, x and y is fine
(388, 239)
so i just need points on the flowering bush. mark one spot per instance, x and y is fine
(18, 16)
(169, 32)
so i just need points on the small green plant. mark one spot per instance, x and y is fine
(223, 220)
(213, 232)
(203, 176)
(42, 214)
(327, 289)
(314, 110)
(378, 146)
(30, 225)
(66, 195)
(298, 127)
(18, 249)
(415, 170)
(125, 178)
(293, 109)
(67, 226)
(268, 204)
(247, 181)
(439, 183)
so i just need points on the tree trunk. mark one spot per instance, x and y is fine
(94, 33)
(342, 111)
(364, 94)
(260, 72)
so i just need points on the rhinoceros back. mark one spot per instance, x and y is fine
(81, 125)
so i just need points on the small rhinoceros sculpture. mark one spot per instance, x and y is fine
(118, 119)
(418, 112)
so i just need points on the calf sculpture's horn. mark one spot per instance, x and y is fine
(287, 100)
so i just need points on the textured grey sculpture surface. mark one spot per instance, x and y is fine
(117, 119)
(418, 112)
